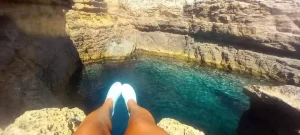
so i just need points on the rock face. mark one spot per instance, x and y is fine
(44, 41)
(37, 62)
(248, 36)
(273, 110)
(65, 122)
(42, 2)
(258, 37)
(46, 121)
(174, 127)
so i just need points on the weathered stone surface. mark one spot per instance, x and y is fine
(259, 37)
(92, 6)
(174, 127)
(119, 48)
(273, 110)
(65, 121)
(248, 24)
(46, 121)
(248, 61)
(219, 55)
(248, 27)
(37, 61)
(159, 42)
(46, 2)
(36, 20)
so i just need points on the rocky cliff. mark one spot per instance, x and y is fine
(46, 121)
(65, 122)
(44, 41)
(258, 37)
(274, 110)
(174, 127)
(38, 61)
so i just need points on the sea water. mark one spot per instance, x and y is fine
(207, 99)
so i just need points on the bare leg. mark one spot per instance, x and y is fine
(141, 122)
(97, 122)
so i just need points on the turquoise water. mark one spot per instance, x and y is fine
(207, 99)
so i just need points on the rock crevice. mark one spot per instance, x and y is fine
(273, 110)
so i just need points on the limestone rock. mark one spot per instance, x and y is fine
(35, 19)
(250, 28)
(38, 62)
(287, 94)
(49, 2)
(46, 121)
(119, 49)
(284, 69)
(258, 37)
(91, 6)
(162, 43)
(273, 110)
(174, 127)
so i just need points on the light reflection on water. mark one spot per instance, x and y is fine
(202, 97)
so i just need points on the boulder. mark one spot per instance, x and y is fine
(273, 110)
(174, 127)
(46, 121)
(65, 122)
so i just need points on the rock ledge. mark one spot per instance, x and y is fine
(273, 110)
(174, 127)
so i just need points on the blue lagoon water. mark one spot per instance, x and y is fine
(204, 98)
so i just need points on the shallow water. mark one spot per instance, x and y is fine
(207, 99)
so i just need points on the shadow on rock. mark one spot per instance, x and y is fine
(273, 111)
(39, 64)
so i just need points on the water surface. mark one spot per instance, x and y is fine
(207, 99)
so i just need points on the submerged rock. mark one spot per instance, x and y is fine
(46, 121)
(174, 127)
(274, 110)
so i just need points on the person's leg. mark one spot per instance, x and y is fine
(99, 121)
(141, 122)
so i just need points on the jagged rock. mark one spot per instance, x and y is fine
(38, 63)
(259, 37)
(248, 61)
(220, 55)
(48, 2)
(65, 121)
(91, 6)
(243, 25)
(174, 127)
(273, 110)
(35, 20)
(46, 121)
(119, 49)
(160, 42)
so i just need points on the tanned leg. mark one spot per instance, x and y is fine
(97, 122)
(141, 122)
